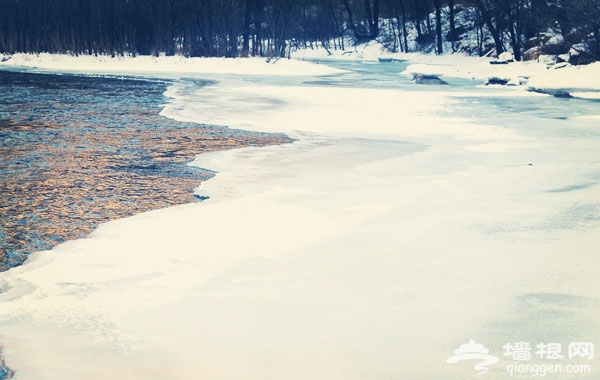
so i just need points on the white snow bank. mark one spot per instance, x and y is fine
(539, 75)
(163, 64)
(459, 66)
(367, 51)
(585, 80)
(571, 78)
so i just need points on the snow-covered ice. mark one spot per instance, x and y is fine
(372, 247)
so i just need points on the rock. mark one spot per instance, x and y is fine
(579, 54)
(532, 54)
(427, 79)
(496, 80)
(577, 49)
(583, 58)
(506, 56)
(390, 59)
(518, 81)
(559, 93)
(548, 60)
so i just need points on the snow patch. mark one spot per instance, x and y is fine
(569, 78)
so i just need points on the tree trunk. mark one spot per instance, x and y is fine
(479, 34)
(494, 29)
(404, 31)
(374, 28)
(438, 26)
(369, 15)
(418, 28)
(399, 21)
(514, 38)
(453, 36)
(597, 38)
(417, 17)
(246, 37)
(351, 21)
(428, 24)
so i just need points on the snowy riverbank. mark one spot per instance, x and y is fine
(146, 65)
(578, 81)
(542, 75)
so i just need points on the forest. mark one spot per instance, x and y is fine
(270, 28)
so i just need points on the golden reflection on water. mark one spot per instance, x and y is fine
(86, 179)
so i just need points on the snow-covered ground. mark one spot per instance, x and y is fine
(579, 81)
(386, 236)
(147, 65)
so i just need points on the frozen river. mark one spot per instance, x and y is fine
(77, 151)
(404, 221)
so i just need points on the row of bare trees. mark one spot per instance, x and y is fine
(271, 27)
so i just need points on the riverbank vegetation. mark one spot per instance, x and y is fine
(272, 28)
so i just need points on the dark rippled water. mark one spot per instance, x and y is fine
(76, 151)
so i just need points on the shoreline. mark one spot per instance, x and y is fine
(163, 65)
(126, 161)
(542, 75)
(182, 191)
